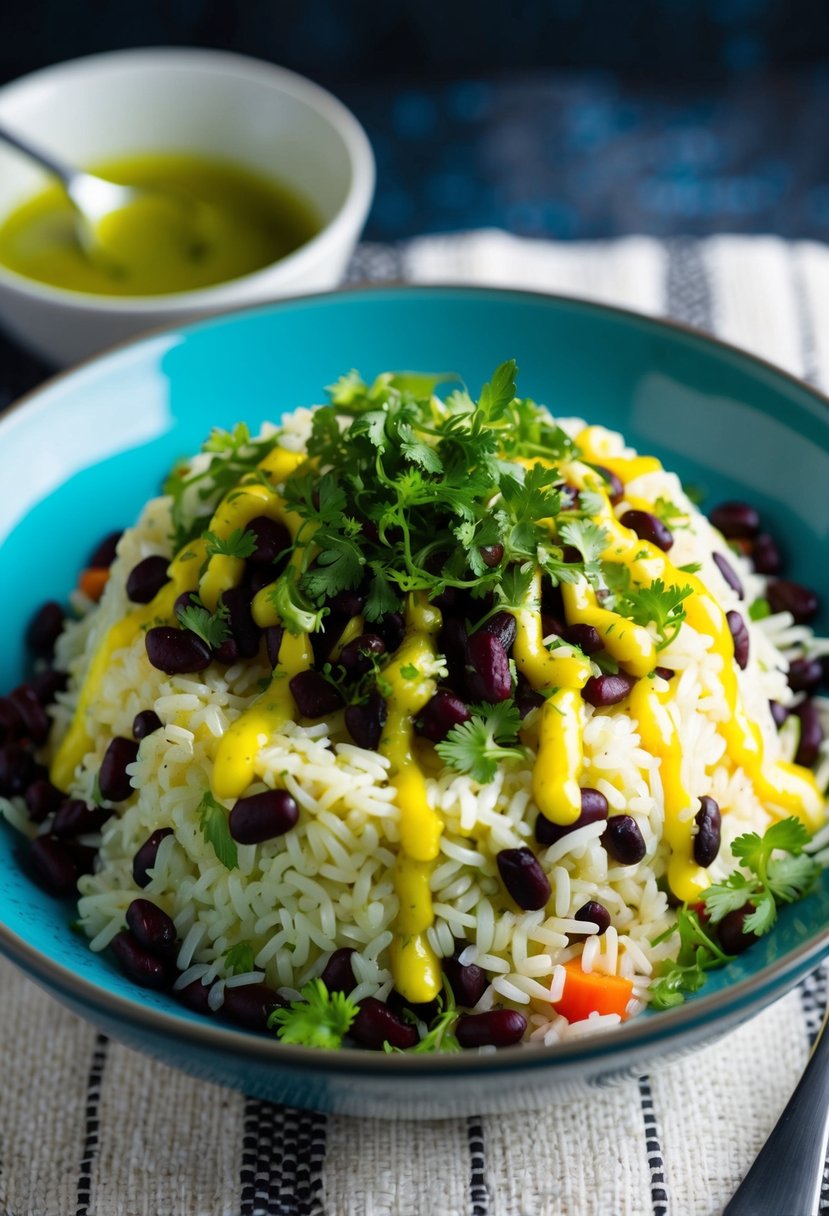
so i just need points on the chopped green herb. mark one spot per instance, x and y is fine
(698, 953)
(239, 543)
(409, 672)
(239, 959)
(657, 604)
(479, 746)
(211, 627)
(759, 609)
(670, 513)
(213, 823)
(320, 1019)
(440, 1036)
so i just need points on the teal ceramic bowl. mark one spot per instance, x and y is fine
(81, 456)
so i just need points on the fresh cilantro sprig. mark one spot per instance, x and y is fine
(240, 959)
(654, 604)
(670, 514)
(441, 1033)
(214, 827)
(211, 627)
(698, 954)
(240, 543)
(320, 1019)
(479, 746)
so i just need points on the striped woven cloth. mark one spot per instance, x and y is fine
(89, 1128)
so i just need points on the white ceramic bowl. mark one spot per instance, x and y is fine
(210, 102)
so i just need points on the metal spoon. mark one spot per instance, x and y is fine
(787, 1174)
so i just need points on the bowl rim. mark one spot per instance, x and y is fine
(349, 217)
(734, 1002)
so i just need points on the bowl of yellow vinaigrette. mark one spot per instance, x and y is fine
(256, 184)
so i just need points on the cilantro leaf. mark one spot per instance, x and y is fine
(697, 954)
(590, 539)
(499, 392)
(657, 604)
(478, 746)
(320, 1019)
(214, 826)
(240, 543)
(239, 959)
(670, 514)
(211, 627)
(759, 609)
(339, 566)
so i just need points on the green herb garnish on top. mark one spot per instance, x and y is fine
(320, 1019)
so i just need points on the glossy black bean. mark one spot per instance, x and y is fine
(736, 520)
(147, 722)
(454, 646)
(250, 1005)
(729, 574)
(103, 555)
(314, 696)
(501, 625)
(424, 1011)
(526, 697)
(467, 981)
(376, 1024)
(648, 527)
(586, 637)
(152, 928)
(496, 1028)
(488, 675)
(273, 641)
(144, 859)
(113, 779)
(243, 628)
(623, 839)
(523, 876)
(11, 723)
(805, 674)
(272, 539)
(52, 866)
(187, 599)
(608, 689)
(74, 817)
(732, 933)
(47, 684)
(765, 555)
(786, 596)
(146, 579)
(227, 653)
(263, 816)
(42, 798)
(596, 914)
(338, 974)
(594, 809)
(257, 578)
(347, 603)
(18, 769)
(84, 856)
(811, 733)
(739, 635)
(357, 655)
(492, 555)
(138, 963)
(613, 483)
(44, 628)
(36, 721)
(552, 603)
(708, 835)
(365, 722)
(176, 651)
(665, 673)
(440, 714)
(195, 996)
(391, 629)
(778, 712)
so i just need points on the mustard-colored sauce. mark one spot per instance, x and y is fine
(210, 221)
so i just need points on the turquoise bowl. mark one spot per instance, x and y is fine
(82, 454)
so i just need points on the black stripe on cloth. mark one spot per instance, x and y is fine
(91, 1136)
(283, 1151)
(814, 993)
(688, 295)
(478, 1190)
(375, 263)
(656, 1163)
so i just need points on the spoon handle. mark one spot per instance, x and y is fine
(35, 153)
(788, 1171)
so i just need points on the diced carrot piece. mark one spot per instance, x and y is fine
(585, 994)
(92, 581)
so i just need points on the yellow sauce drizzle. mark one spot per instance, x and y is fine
(532, 658)
(629, 644)
(560, 757)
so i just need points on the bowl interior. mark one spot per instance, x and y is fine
(81, 457)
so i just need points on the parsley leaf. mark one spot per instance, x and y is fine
(759, 609)
(211, 627)
(670, 513)
(240, 543)
(697, 954)
(213, 823)
(590, 539)
(440, 1036)
(239, 959)
(655, 604)
(479, 746)
(320, 1019)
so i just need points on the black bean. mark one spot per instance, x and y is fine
(648, 527)
(52, 866)
(491, 555)
(11, 723)
(152, 928)
(613, 483)
(365, 722)
(496, 1028)
(264, 816)
(596, 913)
(501, 625)
(84, 856)
(586, 637)
(786, 596)
(272, 539)
(138, 963)
(144, 859)
(47, 684)
(467, 981)
(778, 712)
(736, 520)
(623, 839)
(811, 733)
(113, 779)
(732, 933)
(391, 629)
(36, 721)
(146, 579)
(338, 974)
(75, 817)
(607, 690)
(594, 809)
(523, 876)
(195, 996)
(227, 653)
(147, 722)
(103, 555)
(665, 673)
(187, 599)
(18, 770)
(176, 651)
(250, 1005)
(424, 1011)
(257, 578)
(739, 634)
(440, 714)
(454, 646)
(727, 571)
(243, 628)
(347, 604)
(314, 696)
(708, 836)
(552, 602)
(526, 697)
(42, 798)
(765, 555)
(273, 641)
(44, 628)
(805, 674)
(488, 676)
(356, 656)
(376, 1024)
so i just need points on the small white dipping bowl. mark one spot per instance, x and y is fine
(212, 103)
